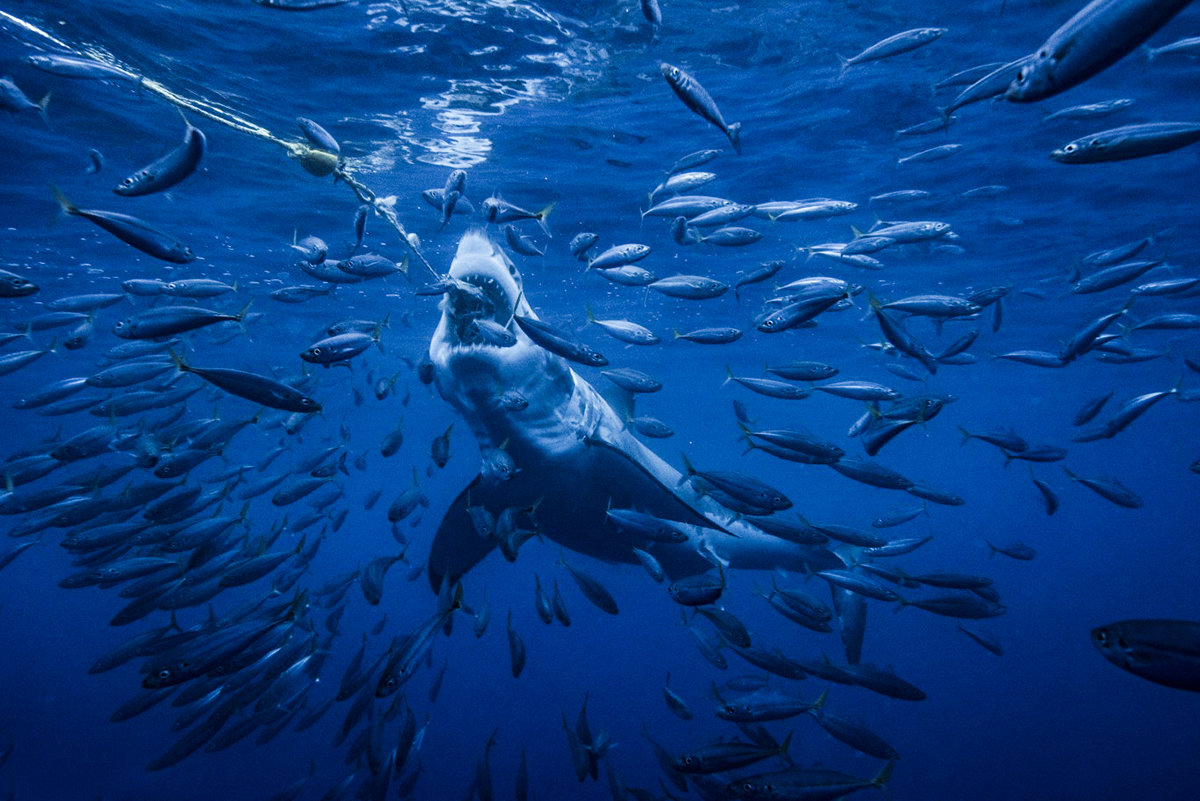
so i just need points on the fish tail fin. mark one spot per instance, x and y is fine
(180, 364)
(542, 215)
(844, 63)
(782, 750)
(688, 469)
(1070, 475)
(67, 206)
(241, 315)
(734, 132)
(42, 104)
(884, 777)
(728, 375)
(966, 436)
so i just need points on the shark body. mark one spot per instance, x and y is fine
(575, 458)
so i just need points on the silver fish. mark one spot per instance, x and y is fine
(695, 97)
(168, 170)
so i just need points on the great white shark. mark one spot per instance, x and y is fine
(574, 455)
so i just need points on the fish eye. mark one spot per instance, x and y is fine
(165, 673)
(1102, 637)
(316, 351)
(1071, 148)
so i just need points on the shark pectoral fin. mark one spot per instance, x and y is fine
(456, 546)
(639, 485)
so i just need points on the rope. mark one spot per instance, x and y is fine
(314, 160)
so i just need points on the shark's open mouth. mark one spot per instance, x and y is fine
(476, 297)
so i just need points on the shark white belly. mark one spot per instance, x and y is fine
(574, 455)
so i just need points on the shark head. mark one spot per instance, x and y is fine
(483, 285)
(474, 370)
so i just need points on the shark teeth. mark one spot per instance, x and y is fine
(475, 296)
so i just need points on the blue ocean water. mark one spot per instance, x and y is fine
(564, 103)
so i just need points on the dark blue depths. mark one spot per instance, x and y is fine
(565, 103)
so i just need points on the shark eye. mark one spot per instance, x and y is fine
(1071, 148)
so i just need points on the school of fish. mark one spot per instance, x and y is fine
(212, 558)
